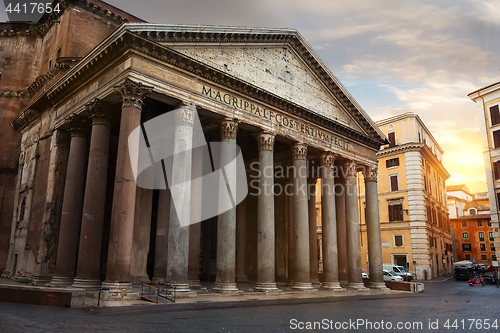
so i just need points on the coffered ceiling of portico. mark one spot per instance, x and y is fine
(277, 69)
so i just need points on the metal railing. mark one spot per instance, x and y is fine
(149, 292)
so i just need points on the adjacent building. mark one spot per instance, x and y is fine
(78, 217)
(488, 101)
(414, 218)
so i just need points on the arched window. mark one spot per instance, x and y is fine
(472, 211)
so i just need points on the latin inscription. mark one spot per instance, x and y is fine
(275, 117)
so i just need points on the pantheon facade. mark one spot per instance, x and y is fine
(263, 91)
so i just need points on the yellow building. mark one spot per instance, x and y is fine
(414, 220)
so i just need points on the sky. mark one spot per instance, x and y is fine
(393, 56)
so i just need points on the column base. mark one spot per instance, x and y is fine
(304, 286)
(42, 280)
(332, 286)
(5, 274)
(378, 286)
(315, 280)
(195, 284)
(227, 288)
(140, 279)
(89, 284)
(289, 283)
(359, 286)
(158, 279)
(61, 281)
(267, 287)
(119, 291)
(178, 287)
(241, 278)
(344, 283)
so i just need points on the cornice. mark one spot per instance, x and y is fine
(412, 146)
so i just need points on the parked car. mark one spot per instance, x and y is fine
(391, 276)
(462, 272)
(399, 270)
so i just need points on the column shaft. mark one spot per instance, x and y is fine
(89, 253)
(341, 228)
(355, 280)
(72, 207)
(289, 281)
(302, 268)
(313, 230)
(241, 244)
(160, 268)
(226, 226)
(178, 231)
(142, 232)
(195, 227)
(373, 230)
(266, 255)
(329, 225)
(124, 194)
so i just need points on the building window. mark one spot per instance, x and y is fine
(394, 183)
(482, 247)
(398, 240)
(395, 213)
(481, 236)
(496, 169)
(496, 139)
(493, 257)
(489, 223)
(465, 247)
(491, 236)
(465, 235)
(479, 223)
(59, 53)
(392, 162)
(50, 63)
(467, 257)
(495, 115)
(483, 257)
(492, 247)
(392, 139)
(464, 224)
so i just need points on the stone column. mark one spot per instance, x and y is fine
(313, 229)
(178, 235)
(266, 255)
(329, 225)
(354, 272)
(241, 241)
(72, 206)
(89, 252)
(373, 229)
(118, 278)
(302, 269)
(142, 232)
(289, 194)
(226, 226)
(341, 228)
(160, 268)
(195, 227)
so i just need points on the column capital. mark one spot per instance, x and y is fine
(133, 93)
(78, 125)
(328, 159)
(229, 128)
(370, 174)
(96, 111)
(299, 151)
(351, 168)
(185, 114)
(265, 140)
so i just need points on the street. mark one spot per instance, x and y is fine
(442, 307)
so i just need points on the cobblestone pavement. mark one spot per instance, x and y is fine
(442, 300)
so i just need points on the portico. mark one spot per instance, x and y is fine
(292, 122)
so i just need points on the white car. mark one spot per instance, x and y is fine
(390, 276)
(364, 275)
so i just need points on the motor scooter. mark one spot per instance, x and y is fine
(478, 279)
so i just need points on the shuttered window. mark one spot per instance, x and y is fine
(496, 139)
(392, 139)
(394, 183)
(392, 162)
(495, 115)
(395, 213)
(496, 169)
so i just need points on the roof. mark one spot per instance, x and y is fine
(456, 188)
(472, 217)
(478, 206)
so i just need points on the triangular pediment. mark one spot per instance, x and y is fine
(276, 69)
